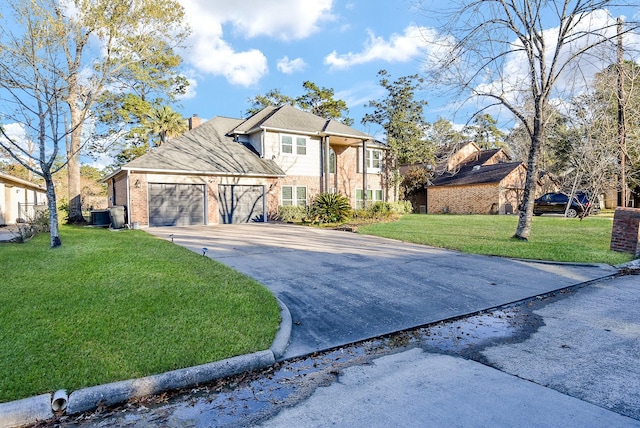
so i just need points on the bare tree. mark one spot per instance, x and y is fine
(98, 41)
(513, 51)
(31, 84)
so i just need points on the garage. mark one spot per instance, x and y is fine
(240, 203)
(176, 204)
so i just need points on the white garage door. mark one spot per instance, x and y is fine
(240, 204)
(176, 204)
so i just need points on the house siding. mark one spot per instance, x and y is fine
(294, 164)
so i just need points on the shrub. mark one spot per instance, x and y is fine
(330, 208)
(362, 214)
(402, 207)
(35, 224)
(289, 213)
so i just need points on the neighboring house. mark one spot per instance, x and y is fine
(239, 170)
(469, 180)
(19, 199)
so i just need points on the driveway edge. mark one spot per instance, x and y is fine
(281, 341)
(36, 409)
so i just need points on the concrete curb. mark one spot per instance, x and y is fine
(25, 411)
(281, 341)
(35, 409)
(114, 393)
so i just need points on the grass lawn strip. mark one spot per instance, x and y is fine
(552, 238)
(109, 306)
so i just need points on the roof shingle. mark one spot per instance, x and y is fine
(477, 174)
(207, 149)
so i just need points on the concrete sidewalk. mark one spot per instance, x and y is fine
(7, 233)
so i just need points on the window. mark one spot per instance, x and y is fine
(294, 195)
(287, 144)
(301, 145)
(378, 194)
(373, 159)
(332, 161)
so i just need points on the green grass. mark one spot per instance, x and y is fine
(551, 238)
(109, 306)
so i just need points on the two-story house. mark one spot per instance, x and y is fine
(239, 170)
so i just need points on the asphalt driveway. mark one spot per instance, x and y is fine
(342, 287)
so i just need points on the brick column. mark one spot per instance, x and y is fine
(625, 236)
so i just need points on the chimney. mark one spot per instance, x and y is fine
(194, 122)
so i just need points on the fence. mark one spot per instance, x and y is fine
(28, 212)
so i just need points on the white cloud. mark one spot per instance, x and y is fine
(211, 51)
(290, 66)
(15, 131)
(191, 91)
(99, 161)
(359, 95)
(18, 140)
(281, 19)
(414, 43)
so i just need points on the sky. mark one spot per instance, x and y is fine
(245, 48)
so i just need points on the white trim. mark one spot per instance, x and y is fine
(184, 172)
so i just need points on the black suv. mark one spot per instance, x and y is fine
(557, 203)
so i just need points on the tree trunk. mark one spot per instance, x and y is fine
(53, 214)
(73, 165)
(531, 181)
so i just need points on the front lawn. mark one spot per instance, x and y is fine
(552, 238)
(109, 306)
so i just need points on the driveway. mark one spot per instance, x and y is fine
(342, 287)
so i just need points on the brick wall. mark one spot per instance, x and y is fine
(478, 199)
(120, 188)
(213, 217)
(139, 193)
(625, 235)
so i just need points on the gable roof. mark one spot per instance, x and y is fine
(477, 174)
(479, 158)
(288, 118)
(207, 149)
